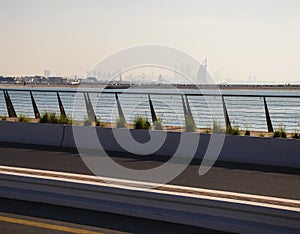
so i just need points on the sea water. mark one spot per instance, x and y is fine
(244, 111)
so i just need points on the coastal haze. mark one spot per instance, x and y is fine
(244, 41)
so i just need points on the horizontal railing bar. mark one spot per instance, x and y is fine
(155, 93)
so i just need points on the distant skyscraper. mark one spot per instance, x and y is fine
(47, 73)
(121, 78)
(202, 73)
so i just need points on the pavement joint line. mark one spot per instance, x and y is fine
(171, 189)
(45, 225)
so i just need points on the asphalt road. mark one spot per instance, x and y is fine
(35, 218)
(243, 178)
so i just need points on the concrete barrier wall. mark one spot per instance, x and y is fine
(270, 151)
(106, 136)
(266, 151)
(242, 149)
(209, 212)
(31, 133)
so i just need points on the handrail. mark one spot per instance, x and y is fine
(112, 91)
(188, 118)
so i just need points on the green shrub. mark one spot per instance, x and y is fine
(247, 132)
(189, 124)
(65, 120)
(98, 123)
(207, 130)
(280, 132)
(233, 131)
(141, 123)
(52, 118)
(296, 134)
(217, 128)
(121, 123)
(3, 118)
(157, 125)
(49, 117)
(276, 134)
(23, 118)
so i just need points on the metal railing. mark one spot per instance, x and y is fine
(188, 115)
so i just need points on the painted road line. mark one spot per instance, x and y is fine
(46, 225)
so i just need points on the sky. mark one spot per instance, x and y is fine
(239, 37)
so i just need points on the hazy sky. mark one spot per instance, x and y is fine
(258, 37)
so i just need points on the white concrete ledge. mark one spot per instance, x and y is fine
(178, 207)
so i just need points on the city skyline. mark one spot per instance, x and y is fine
(240, 38)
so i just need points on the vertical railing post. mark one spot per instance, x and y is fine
(185, 112)
(10, 108)
(268, 118)
(89, 108)
(34, 106)
(189, 111)
(153, 114)
(120, 111)
(61, 106)
(226, 116)
(189, 121)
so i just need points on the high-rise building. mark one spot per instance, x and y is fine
(47, 73)
(202, 73)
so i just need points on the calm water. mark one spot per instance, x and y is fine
(245, 112)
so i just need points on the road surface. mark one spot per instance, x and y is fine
(35, 218)
(242, 178)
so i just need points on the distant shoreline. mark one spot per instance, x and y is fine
(158, 86)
